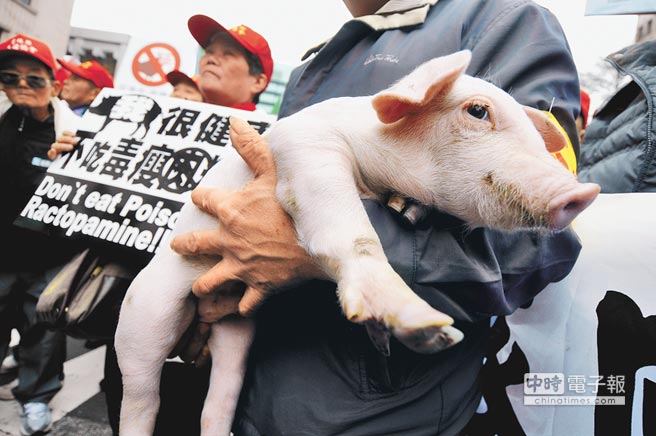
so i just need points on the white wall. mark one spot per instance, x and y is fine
(47, 20)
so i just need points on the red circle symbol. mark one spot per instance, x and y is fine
(151, 64)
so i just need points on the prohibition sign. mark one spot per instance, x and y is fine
(151, 64)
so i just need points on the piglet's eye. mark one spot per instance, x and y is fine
(478, 111)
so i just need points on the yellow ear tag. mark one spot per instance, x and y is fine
(565, 155)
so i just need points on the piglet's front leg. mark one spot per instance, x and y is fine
(373, 294)
(334, 228)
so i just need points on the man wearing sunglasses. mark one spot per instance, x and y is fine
(31, 258)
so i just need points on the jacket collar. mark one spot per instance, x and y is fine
(393, 15)
(398, 13)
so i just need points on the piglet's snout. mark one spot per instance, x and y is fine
(567, 205)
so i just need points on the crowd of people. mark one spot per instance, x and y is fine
(236, 68)
(27, 129)
(326, 377)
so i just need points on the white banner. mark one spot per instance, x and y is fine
(588, 340)
(138, 159)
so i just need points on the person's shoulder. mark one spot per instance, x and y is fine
(506, 8)
(500, 5)
(488, 13)
(504, 4)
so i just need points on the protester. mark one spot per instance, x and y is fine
(84, 83)
(31, 259)
(582, 118)
(618, 149)
(184, 87)
(313, 372)
(237, 65)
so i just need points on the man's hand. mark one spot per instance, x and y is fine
(256, 240)
(193, 347)
(65, 142)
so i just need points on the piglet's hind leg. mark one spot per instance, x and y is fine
(154, 315)
(229, 344)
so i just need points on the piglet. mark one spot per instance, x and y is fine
(445, 139)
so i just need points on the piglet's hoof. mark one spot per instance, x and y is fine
(408, 210)
(433, 339)
(425, 330)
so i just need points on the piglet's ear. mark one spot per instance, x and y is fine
(553, 136)
(433, 78)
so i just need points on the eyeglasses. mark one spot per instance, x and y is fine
(8, 78)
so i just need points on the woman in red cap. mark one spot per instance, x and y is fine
(237, 65)
(31, 259)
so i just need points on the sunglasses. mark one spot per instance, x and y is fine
(12, 79)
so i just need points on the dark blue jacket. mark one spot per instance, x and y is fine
(618, 150)
(314, 373)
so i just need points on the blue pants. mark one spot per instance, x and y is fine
(41, 352)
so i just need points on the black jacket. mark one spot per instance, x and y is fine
(24, 143)
(618, 150)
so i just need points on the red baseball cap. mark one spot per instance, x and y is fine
(177, 76)
(585, 106)
(62, 74)
(91, 70)
(203, 28)
(23, 44)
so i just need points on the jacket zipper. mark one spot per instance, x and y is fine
(650, 151)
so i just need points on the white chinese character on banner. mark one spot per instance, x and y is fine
(131, 108)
